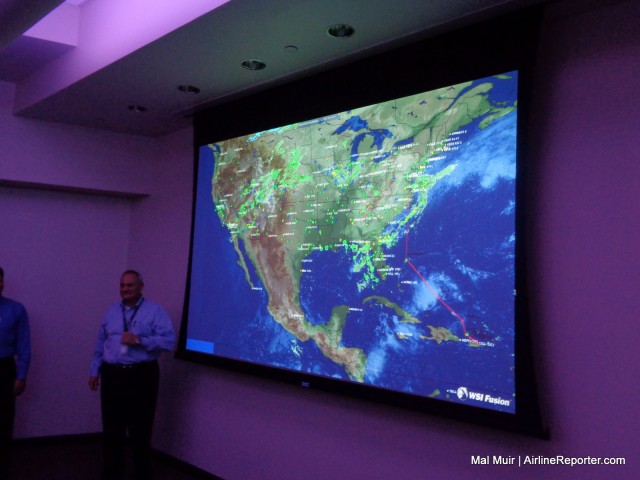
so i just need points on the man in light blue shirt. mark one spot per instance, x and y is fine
(15, 357)
(133, 333)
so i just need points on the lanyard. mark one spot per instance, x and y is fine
(124, 317)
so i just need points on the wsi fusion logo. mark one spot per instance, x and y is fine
(464, 394)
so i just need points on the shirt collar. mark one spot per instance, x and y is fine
(137, 305)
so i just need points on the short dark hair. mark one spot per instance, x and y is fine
(1, 272)
(133, 272)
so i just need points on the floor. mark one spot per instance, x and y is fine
(80, 458)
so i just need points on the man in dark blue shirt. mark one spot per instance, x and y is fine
(15, 356)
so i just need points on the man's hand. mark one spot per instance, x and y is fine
(19, 387)
(94, 383)
(129, 338)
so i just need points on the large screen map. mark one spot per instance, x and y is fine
(375, 245)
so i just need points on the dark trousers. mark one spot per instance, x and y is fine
(7, 410)
(128, 395)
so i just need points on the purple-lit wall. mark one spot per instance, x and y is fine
(585, 266)
(63, 251)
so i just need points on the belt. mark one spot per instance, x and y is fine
(129, 366)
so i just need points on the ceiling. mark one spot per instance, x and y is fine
(90, 62)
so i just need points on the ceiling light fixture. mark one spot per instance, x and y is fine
(341, 30)
(137, 108)
(253, 64)
(189, 89)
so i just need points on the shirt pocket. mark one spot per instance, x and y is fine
(142, 329)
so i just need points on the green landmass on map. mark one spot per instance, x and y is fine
(440, 334)
(405, 317)
(285, 193)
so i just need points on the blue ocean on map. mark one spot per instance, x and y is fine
(462, 247)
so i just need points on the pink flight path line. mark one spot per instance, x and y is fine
(446, 305)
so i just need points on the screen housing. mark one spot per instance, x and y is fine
(485, 49)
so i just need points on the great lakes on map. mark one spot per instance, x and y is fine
(354, 183)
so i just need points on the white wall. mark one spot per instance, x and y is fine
(585, 175)
(63, 250)
(584, 148)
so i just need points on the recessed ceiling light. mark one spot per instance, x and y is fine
(340, 30)
(189, 89)
(137, 108)
(253, 64)
(290, 49)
